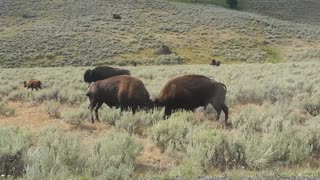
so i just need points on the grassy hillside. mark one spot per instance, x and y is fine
(67, 32)
(306, 12)
(274, 111)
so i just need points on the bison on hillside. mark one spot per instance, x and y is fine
(103, 72)
(189, 92)
(119, 91)
(215, 62)
(116, 16)
(33, 84)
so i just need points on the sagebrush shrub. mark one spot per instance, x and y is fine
(6, 110)
(55, 156)
(14, 143)
(76, 117)
(114, 157)
(172, 133)
(53, 109)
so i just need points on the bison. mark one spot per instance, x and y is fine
(103, 72)
(191, 91)
(215, 62)
(33, 84)
(122, 91)
(116, 16)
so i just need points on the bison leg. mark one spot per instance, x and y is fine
(96, 111)
(217, 108)
(92, 105)
(226, 114)
(134, 109)
(167, 112)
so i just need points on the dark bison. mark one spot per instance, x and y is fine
(103, 72)
(191, 91)
(119, 91)
(116, 16)
(215, 62)
(33, 84)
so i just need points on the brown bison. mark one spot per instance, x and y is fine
(103, 72)
(191, 91)
(122, 91)
(33, 84)
(215, 62)
(116, 16)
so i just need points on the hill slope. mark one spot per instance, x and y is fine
(68, 32)
(292, 10)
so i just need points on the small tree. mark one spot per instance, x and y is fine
(233, 4)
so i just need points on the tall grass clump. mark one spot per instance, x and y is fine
(52, 108)
(6, 110)
(114, 157)
(46, 94)
(14, 143)
(139, 121)
(56, 156)
(78, 116)
(312, 105)
(172, 133)
(17, 95)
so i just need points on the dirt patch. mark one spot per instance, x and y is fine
(33, 117)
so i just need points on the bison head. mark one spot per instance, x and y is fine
(25, 83)
(88, 76)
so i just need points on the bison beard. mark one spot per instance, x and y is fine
(189, 92)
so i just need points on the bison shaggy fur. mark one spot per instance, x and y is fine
(189, 92)
(33, 84)
(122, 91)
(103, 72)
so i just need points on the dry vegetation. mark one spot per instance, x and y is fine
(274, 112)
(64, 32)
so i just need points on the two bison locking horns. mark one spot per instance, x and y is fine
(117, 88)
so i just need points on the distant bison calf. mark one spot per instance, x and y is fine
(33, 84)
(119, 91)
(103, 72)
(192, 91)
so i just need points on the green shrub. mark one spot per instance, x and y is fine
(53, 109)
(172, 132)
(141, 120)
(20, 95)
(169, 59)
(76, 117)
(109, 115)
(14, 143)
(114, 157)
(56, 156)
(218, 148)
(46, 94)
(6, 110)
(5, 90)
(312, 105)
